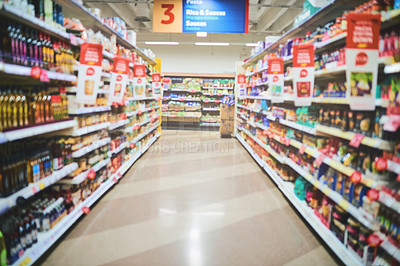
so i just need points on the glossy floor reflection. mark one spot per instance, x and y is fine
(193, 199)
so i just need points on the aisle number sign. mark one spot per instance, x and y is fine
(276, 79)
(303, 74)
(89, 73)
(212, 16)
(362, 56)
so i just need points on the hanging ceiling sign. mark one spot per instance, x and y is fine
(222, 16)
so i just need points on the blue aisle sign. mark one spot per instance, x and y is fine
(222, 16)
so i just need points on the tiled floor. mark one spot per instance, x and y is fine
(193, 199)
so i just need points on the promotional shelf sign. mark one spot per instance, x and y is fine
(156, 85)
(139, 87)
(276, 79)
(362, 54)
(89, 73)
(303, 74)
(241, 85)
(119, 78)
(212, 16)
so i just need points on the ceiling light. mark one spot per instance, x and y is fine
(201, 34)
(163, 43)
(251, 44)
(212, 43)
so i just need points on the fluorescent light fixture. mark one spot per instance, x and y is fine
(251, 44)
(212, 43)
(201, 34)
(163, 43)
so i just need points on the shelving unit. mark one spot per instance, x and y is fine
(203, 116)
(277, 135)
(91, 163)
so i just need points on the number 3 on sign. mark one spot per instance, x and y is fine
(168, 13)
(167, 16)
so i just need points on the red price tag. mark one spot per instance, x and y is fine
(282, 139)
(85, 210)
(91, 174)
(356, 177)
(152, 119)
(356, 141)
(192, 91)
(115, 179)
(152, 109)
(373, 194)
(211, 94)
(181, 99)
(34, 190)
(43, 76)
(206, 101)
(123, 116)
(381, 164)
(374, 240)
(217, 101)
(302, 149)
(119, 175)
(320, 159)
(36, 72)
(140, 112)
(219, 94)
(265, 132)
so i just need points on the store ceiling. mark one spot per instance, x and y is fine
(266, 17)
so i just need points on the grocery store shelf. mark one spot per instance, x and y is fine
(394, 167)
(108, 55)
(73, 8)
(372, 142)
(105, 75)
(390, 69)
(248, 108)
(215, 94)
(88, 110)
(11, 12)
(35, 130)
(85, 150)
(141, 99)
(83, 176)
(185, 99)
(139, 137)
(287, 189)
(33, 188)
(90, 129)
(47, 239)
(257, 97)
(211, 109)
(330, 12)
(297, 126)
(131, 128)
(184, 91)
(218, 88)
(391, 249)
(120, 148)
(142, 111)
(25, 71)
(211, 101)
(389, 201)
(206, 124)
(118, 124)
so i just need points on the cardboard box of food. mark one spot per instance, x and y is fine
(227, 112)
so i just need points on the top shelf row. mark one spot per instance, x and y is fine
(325, 14)
(72, 9)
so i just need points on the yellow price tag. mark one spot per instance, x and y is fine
(41, 185)
(316, 183)
(26, 261)
(326, 190)
(344, 204)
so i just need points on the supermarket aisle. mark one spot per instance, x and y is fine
(193, 199)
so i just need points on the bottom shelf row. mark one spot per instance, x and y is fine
(348, 239)
(39, 232)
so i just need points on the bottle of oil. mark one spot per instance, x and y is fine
(25, 107)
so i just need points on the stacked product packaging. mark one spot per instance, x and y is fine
(320, 115)
(80, 124)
